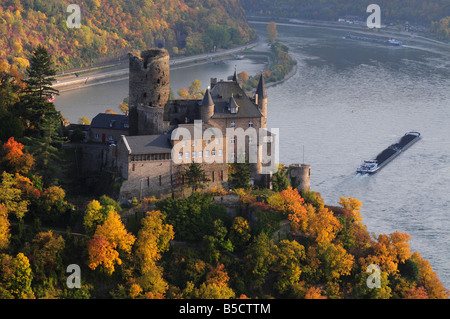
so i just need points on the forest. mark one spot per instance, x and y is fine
(111, 28)
(276, 243)
(433, 14)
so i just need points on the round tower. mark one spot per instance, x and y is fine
(300, 176)
(149, 89)
(207, 107)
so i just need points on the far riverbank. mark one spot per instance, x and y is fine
(406, 37)
(119, 71)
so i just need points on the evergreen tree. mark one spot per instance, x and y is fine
(240, 175)
(41, 120)
(195, 176)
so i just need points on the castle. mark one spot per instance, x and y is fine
(165, 135)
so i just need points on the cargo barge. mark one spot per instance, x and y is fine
(382, 159)
(391, 41)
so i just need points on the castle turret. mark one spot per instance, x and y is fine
(149, 88)
(261, 100)
(300, 176)
(207, 107)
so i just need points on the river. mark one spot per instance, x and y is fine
(346, 103)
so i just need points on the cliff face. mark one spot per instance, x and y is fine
(111, 28)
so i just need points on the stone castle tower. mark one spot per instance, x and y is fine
(149, 89)
(300, 176)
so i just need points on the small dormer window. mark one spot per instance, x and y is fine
(232, 105)
(250, 124)
(233, 124)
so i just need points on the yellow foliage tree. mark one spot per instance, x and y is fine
(352, 205)
(323, 225)
(4, 227)
(114, 232)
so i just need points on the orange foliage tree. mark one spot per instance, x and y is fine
(16, 160)
(108, 237)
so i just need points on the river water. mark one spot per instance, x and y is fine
(346, 103)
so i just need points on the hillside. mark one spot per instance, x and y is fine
(110, 28)
(434, 14)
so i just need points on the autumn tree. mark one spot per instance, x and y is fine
(289, 256)
(19, 281)
(11, 196)
(323, 225)
(47, 249)
(4, 227)
(102, 253)
(429, 279)
(290, 203)
(272, 32)
(109, 239)
(93, 216)
(240, 232)
(259, 259)
(214, 287)
(153, 239)
(15, 159)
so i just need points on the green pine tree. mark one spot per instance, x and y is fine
(195, 176)
(41, 120)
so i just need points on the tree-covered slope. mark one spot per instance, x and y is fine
(110, 28)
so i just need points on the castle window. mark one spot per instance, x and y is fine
(187, 155)
(217, 141)
(220, 153)
(194, 143)
(134, 167)
(180, 155)
(221, 176)
(207, 154)
(194, 154)
(212, 176)
(208, 141)
(233, 124)
(250, 139)
(233, 140)
(213, 152)
(250, 124)
(200, 154)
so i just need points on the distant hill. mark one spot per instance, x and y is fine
(431, 13)
(110, 28)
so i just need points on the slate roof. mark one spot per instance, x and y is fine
(110, 121)
(221, 94)
(148, 144)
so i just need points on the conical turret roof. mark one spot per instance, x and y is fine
(207, 99)
(261, 90)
